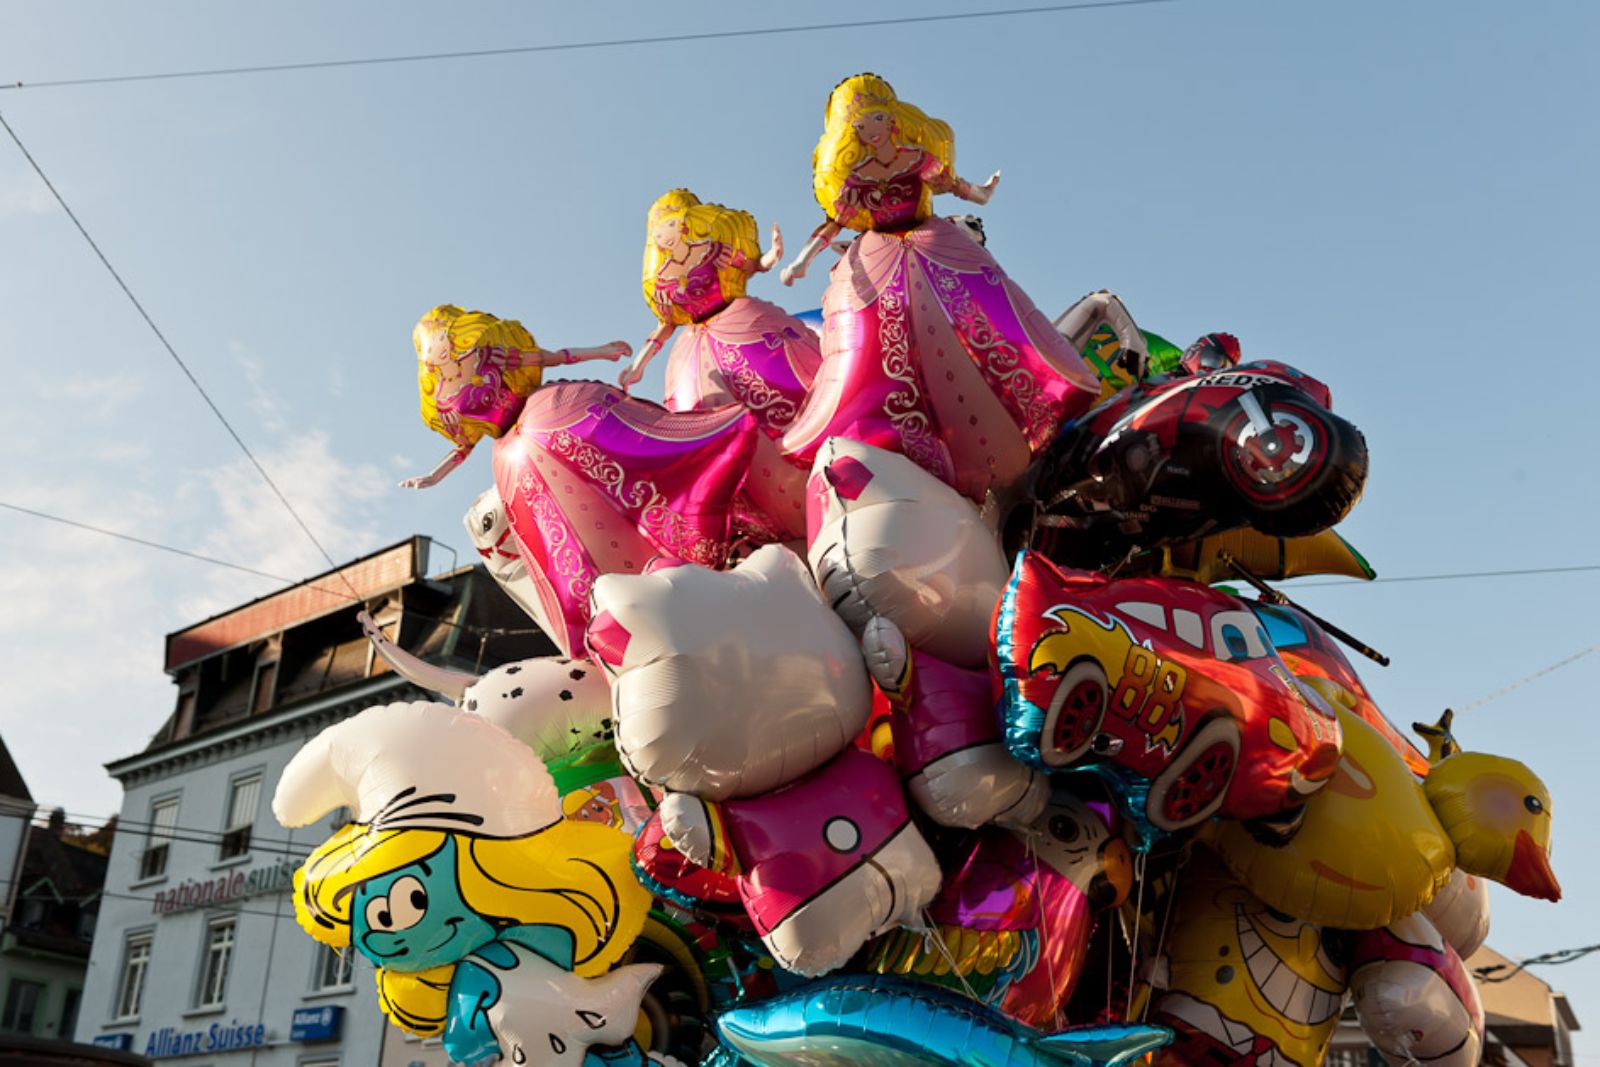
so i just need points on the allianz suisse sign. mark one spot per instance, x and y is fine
(225, 888)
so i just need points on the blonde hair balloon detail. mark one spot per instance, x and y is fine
(730, 348)
(929, 350)
(699, 223)
(840, 151)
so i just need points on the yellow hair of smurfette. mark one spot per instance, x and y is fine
(572, 875)
(840, 151)
(702, 222)
(461, 334)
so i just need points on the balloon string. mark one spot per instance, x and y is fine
(931, 932)
(1161, 939)
(1047, 939)
(1140, 867)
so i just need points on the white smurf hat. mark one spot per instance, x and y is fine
(420, 766)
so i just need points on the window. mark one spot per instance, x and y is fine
(332, 969)
(69, 1014)
(22, 1001)
(135, 962)
(266, 679)
(241, 816)
(214, 969)
(163, 819)
(1347, 1057)
(32, 913)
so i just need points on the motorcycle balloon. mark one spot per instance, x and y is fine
(730, 683)
(1174, 459)
(1414, 997)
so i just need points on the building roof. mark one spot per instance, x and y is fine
(1521, 999)
(11, 783)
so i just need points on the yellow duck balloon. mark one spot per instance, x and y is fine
(1377, 843)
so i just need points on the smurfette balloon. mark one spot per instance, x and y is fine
(928, 349)
(730, 348)
(458, 843)
(593, 481)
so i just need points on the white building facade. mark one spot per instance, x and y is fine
(197, 955)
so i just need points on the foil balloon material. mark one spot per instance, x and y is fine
(824, 864)
(727, 684)
(448, 762)
(1414, 997)
(597, 482)
(1012, 921)
(1460, 912)
(928, 349)
(946, 742)
(730, 348)
(513, 1001)
(1211, 559)
(1242, 983)
(1370, 850)
(1180, 457)
(867, 1021)
(887, 539)
(490, 529)
(663, 869)
(1172, 682)
(459, 869)
(1497, 812)
(1315, 657)
(558, 707)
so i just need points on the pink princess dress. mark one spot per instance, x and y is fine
(755, 354)
(597, 482)
(929, 350)
(593, 481)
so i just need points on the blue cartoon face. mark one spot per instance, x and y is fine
(413, 918)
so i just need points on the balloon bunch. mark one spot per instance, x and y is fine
(899, 719)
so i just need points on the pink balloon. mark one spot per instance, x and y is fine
(597, 482)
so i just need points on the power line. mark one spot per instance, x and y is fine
(485, 631)
(1535, 676)
(577, 46)
(1491, 972)
(1524, 572)
(284, 500)
(149, 544)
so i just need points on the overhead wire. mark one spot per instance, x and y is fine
(171, 351)
(1455, 576)
(486, 631)
(1491, 973)
(578, 46)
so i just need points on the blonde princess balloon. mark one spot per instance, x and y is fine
(928, 348)
(730, 347)
(464, 885)
(592, 481)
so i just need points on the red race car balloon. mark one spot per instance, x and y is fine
(1172, 682)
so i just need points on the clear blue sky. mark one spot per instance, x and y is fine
(1397, 197)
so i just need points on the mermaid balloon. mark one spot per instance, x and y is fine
(928, 349)
(732, 348)
(593, 481)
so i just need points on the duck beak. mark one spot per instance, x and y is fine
(1530, 873)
